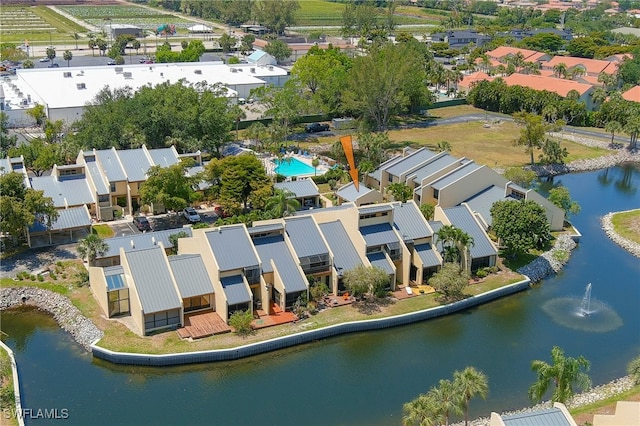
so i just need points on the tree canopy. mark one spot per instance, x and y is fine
(563, 374)
(520, 225)
(169, 186)
(367, 282)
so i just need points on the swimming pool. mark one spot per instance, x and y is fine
(293, 167)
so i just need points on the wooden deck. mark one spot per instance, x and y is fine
(276, 317)
(197, 326)
(335, 301)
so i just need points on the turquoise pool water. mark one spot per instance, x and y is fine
(293, 167)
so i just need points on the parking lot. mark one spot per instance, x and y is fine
(160, 223)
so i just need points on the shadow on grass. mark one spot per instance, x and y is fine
(372, 306)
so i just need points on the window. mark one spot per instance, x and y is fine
(240, 307)
(313, 264)
(252, 275)
(113, 187)
(197, 303)
(118, 302)
(390, 177)
(393, 249)
(161, 319)
(517, 194)
(103, 198)
(436, 194)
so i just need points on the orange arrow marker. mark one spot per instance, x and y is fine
(347, 146)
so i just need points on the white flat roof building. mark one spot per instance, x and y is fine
(66, 91)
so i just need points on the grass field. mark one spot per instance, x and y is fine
(627, 225)
(37, 24)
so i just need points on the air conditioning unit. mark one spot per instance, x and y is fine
(240, 69)
(234, 70)
(81, 86)
(270, 67)
(126, 74)
(253, 70)
(25, 102)
(66, 74)
(118, 69)
(198, 71)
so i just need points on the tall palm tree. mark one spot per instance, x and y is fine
(632, 128)
(470, 383)
(420, 412)
(447, 398)
(464, 242)
(560, 70)
(563, 373)
(282, 203)
(446, 235)
(613, 127)
(92, 247)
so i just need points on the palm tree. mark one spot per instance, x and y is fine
(464, 242)
(599, 95)
(470, 383)
(446, 235)
(67, 56)
(633, 369)
(92, 247)
(564, 372)
(632, 128)
(420, 412)
(560, 70)
(613, 127)
(447, 398)
(315, 163)
(282, 203)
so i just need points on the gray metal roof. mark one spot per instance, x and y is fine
(72, 192)
(305, 236)
(71, 218)
(110, 163)
(454, 175)
(98, 178)
(377, 235)
(152, 279)
(190, 275)
(232, 247)
(380, 260)
(136, 164)
(427, 254)
(438, 163)
(409, 222)
(142, 240)
(274, 248)
(482, 201)
(348, 192)
(543, 417)
(410, 162)
(235, 290)
(345, 255)
(375, 208)
(345, 206)
(462, 218)
(272, 227)
(377, 173)
(5, 165)
(300, 188)
(164, 157)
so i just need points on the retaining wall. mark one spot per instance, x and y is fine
(304, 337)
(16, 384)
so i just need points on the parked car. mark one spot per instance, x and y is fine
(142, 223)
(316, 127)
(191, 214)
(45, 59)
(54, 65)
(111, 62)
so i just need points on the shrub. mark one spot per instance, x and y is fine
(40, 278)
(82, 278)
(332, 183)
(32, 277)
(481, 273)
(53, 276)
(560, 255)
(241, 322)
(59, 263)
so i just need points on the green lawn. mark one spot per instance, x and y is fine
(6, 388)
(627, 225)
(38, 25)
(103, 231)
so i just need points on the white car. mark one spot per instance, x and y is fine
(45, 59)
(191, 214)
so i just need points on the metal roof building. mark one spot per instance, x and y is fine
(380, 260)
(454, 175)
(300, 188)
(73, 217)
(152, 278)
(427, 255)
(142, 241)
(379, 235)
(463, 219)
(110, 164)
(66, 192)
(438, 163)
(232, 248)
(274, 248)
(481, 202)
(305, 236)
(235, 290)
(410, 162)
(543, 417)
(410, 222)
(164, 157)
(136, 164)
(345, 255)
(190, 275)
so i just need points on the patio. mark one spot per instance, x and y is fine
(333, 301)
(276, 317)
(197, 326)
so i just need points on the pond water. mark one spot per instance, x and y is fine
(360, 379)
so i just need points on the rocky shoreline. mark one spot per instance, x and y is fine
(550, 261)
(68, 316)
(607, 225)
(595, 394)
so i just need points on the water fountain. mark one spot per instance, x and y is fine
(586, 302)
(586, 313)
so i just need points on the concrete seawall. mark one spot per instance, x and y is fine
(304, 337)
(16, 385)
